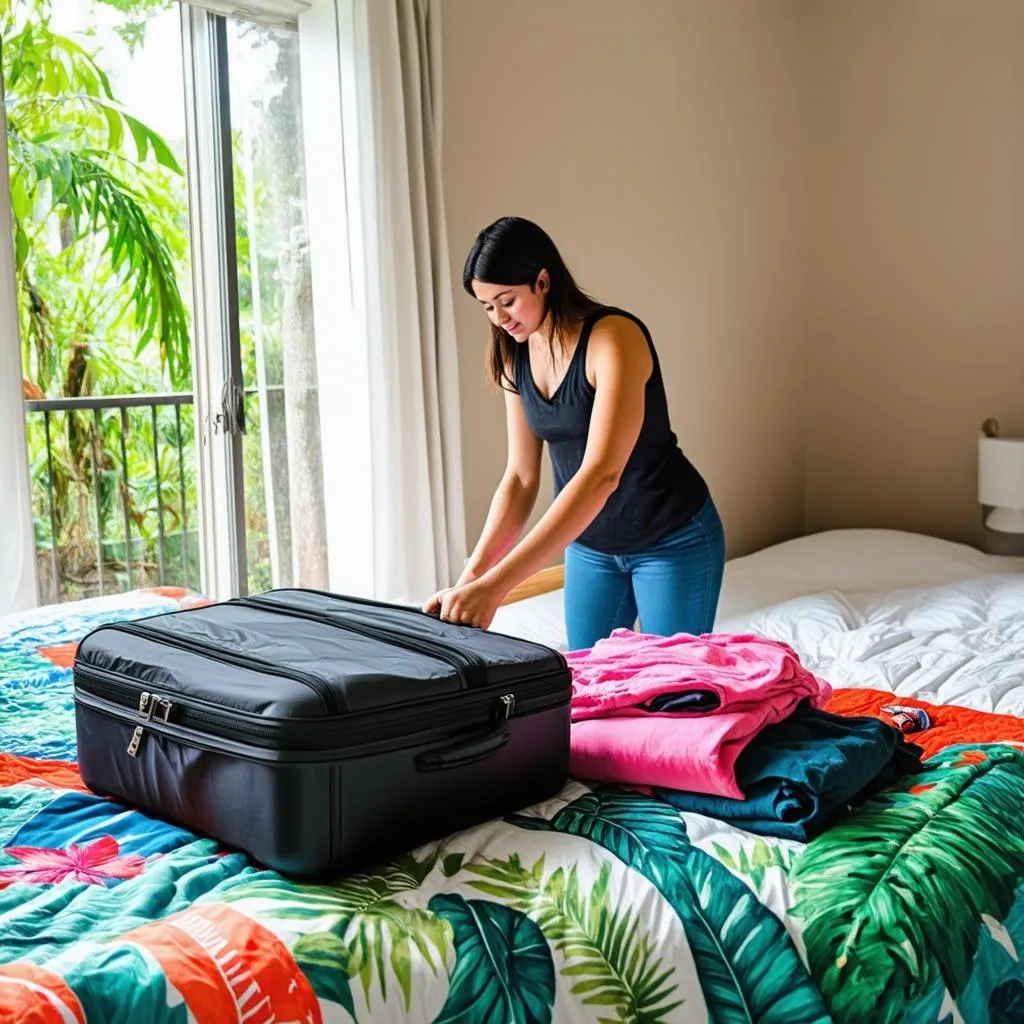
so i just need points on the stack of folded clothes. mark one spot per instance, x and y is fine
(727, 726)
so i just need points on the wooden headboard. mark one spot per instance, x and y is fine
(542, 582)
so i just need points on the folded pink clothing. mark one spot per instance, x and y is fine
(697, 755)
(622, 673)
(615, 738)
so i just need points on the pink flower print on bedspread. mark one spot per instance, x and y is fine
(95, 863)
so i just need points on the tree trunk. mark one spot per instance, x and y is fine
(302, 416)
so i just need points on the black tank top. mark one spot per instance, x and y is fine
(659, 491)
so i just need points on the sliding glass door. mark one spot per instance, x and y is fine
(164, 298)
(282, 475)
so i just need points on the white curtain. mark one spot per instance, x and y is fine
(414, 408)
(17, 544)
(400, 303)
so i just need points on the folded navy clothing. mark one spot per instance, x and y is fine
(801, 774)
(687, 700)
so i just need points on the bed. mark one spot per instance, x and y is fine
(599, 905)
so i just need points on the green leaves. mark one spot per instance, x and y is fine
(40, 65)
(98, 202)
(147, 140)
(73, 175)
(503, 972)
(324, 959)
(626, 824)
(748, 967)
(606, 952)
(391, 925)
(755, 864)
(370, 933)
(893, 896)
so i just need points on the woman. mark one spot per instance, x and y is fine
(640, 531)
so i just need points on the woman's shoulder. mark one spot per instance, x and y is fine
(615, 318)
(619, 337)
(611, 325)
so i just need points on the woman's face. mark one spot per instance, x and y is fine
(517, 309)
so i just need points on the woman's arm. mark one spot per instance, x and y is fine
(515, 495)
(621, 362)
(513, 499)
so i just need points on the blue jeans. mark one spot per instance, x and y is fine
(673, 586)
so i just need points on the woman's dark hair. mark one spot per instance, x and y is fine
(513, 251)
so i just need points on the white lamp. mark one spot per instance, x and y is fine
(1001, 482)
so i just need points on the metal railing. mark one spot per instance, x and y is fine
(97, 406)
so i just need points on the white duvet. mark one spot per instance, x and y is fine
(962, 643)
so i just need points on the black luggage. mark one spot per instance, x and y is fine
(317, 733)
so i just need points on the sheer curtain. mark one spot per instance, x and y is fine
(17, 543)
(398, 339)
(414, 408)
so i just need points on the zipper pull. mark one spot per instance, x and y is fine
(161, 709)
(136, 741)
(144, 708)
(508, 703)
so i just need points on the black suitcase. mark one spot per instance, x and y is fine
(317, 733)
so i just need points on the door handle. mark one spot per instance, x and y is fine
(232, 409)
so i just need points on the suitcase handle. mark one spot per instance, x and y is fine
(465, 752)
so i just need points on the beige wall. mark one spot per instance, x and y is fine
(661, 143)
(916, 324)
(817, 205)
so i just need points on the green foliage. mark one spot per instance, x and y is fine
(99, 204)
(605, 951)
(748, 967)
(133, 29)
(83, 171)
(101, 221)
(755, 864)
(503, 967)
(324, 959)
(893, 896)
(369, 931)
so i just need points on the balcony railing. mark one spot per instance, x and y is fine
(113, 493)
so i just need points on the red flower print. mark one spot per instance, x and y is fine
(922, 788)
(971, 757)
(94, 863)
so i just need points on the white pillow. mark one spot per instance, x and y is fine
(849, 561)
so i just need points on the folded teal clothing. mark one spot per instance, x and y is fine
(800, 775)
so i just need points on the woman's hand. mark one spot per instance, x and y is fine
(433, 606)
(470, 604)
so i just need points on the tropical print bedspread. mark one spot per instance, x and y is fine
(602, 905)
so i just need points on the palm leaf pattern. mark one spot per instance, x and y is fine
(757, 863)
(503, 972)
(747, 964)
(614, 964)
(893, 896)
(391, 925)
(369, 929)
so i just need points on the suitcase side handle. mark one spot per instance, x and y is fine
(476, 748)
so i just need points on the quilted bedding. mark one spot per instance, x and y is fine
(957, 643)
(600, 905)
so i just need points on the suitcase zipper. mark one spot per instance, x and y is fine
(317, 685)
(320, 734)
(369, 602)
(462, 661)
